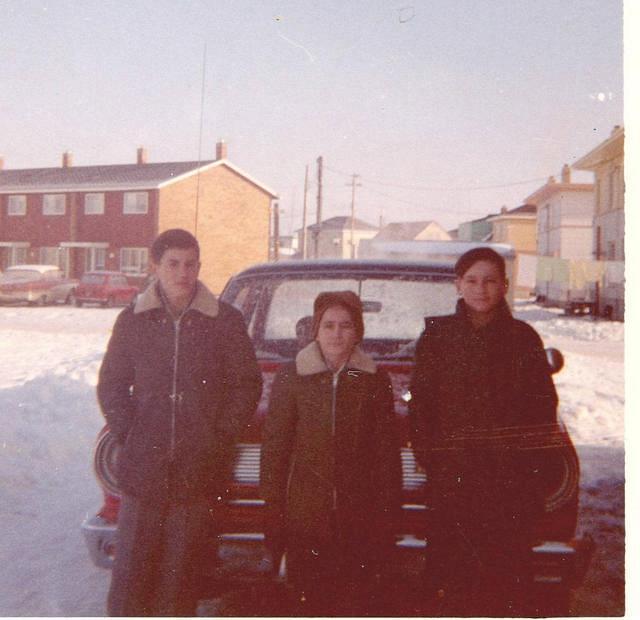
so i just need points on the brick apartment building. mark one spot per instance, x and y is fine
(106, 217)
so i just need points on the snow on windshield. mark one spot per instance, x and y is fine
(394, 309)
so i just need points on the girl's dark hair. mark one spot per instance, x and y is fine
(173, 238)
(470, 258)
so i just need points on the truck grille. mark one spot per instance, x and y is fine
(247, 467)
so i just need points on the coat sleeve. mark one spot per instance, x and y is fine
(540, 395)
(116, 379)
(387, 458)
(423, 406)
(241, 385)
(276, 456)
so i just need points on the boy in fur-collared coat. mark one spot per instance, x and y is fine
(330, 470)
(178, 384)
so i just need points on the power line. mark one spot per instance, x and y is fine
(439, 188)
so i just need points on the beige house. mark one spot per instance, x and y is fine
(337, 237)
(517, 228)
(607, 242)
(413, 231)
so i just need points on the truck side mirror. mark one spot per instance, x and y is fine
(555, 359)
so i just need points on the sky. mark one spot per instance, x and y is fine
(446, 109)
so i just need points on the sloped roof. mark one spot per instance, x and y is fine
(553, 187)
(109, 177)
(609, 149)
(341, 222)
(525, 210)
(402, 231)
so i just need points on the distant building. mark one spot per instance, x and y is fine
(517, 228)
(475, 230)
(607, 243)
(106, 217)
(565, 217)
(332, 238)
(564, 231)
(413, 231)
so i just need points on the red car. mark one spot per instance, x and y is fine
(396, 297)
(107, 288)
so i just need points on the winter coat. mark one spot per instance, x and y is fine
(330, 466)
(177, 395)
(477, 394)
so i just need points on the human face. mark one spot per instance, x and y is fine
(482, 288)
(177, 273)
(336, 336)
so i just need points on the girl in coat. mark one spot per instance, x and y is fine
(481, 385)
(330, 468)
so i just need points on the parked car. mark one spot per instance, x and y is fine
(36, 285)
(107, 288)
(396, 297)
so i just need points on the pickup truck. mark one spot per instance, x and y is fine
(36, 284)
(396, 296)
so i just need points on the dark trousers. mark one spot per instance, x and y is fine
(329, 580)
(158, 559)
(475, 573)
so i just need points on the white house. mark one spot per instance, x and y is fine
(607, 243)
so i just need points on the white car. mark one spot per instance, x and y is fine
(36, 284)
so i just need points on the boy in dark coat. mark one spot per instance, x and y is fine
(481, 385)
(178, 383)
(330, 469)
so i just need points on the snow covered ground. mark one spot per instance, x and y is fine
(49, 358)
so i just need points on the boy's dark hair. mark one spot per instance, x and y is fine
(470, 258)
(173, 238)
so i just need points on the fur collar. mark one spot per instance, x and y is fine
(204, 301)
(309, 361)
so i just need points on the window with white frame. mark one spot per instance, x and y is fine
(17, 255)
(134, 260)
(95, 259)
(53, 204)
(17, 205)
(135, 202)
(94, 204)
(54, 256)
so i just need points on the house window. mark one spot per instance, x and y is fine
(135, 202)
(17, 255)
(94, 204)
(54, 256)
(95, 259)
(53, 204)
(17, 205)
(134, 260)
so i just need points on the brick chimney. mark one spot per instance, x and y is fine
(141, 156)
(1, 162)
(221, 150)
(67, 159)
(566, 174)
(503, 209)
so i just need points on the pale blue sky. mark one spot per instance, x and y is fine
(447, 95)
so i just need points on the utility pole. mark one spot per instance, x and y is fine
(597, 291)
(304, 212)
(354, 183)
(276, 231)
(318, 206)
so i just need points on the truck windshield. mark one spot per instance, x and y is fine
(394, 310)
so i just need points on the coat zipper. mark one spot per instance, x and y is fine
(335, 380)
(174, 388)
